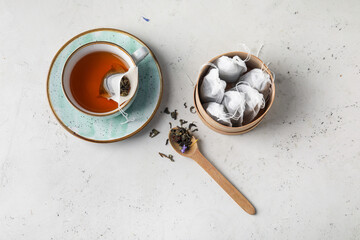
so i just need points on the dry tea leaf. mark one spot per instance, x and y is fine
(171, 157)
(182, 122)
(174, 114)
(154, 133)
(182, 137)
(191, 125)
(166, 110)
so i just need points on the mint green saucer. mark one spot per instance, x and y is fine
(96, 129)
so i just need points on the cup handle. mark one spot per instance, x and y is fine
(140, 54)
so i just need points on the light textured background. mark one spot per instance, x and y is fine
(300, 167)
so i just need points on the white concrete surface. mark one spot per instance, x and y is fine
(300, 167)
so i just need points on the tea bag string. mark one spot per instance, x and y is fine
(263, 67)
(247, 50)
(259, 50)
(272, 73)
(207, 64)
(246, 83)
(125, 115)
(265, 72)
(241, 83)
(227, 116)
(263, 64)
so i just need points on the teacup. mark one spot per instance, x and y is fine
(131, 60)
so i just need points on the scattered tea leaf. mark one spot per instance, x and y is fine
(182, 122)
(167, 142)
(154, 133)
(192, 109)
(191, 125)
(195, 130)
(171, 157)
(185, 105)
(146, 19)
(166, 110)
(170, 125)
(174, 114)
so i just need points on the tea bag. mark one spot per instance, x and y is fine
(218, 112)
(254, 101)
(230, 69)
(235, 103)
(212, 88)
(259, 80)
(112, 87)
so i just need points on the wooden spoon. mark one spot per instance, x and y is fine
(195, 154)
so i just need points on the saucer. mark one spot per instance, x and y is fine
(96, 129)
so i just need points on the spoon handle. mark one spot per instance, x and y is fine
(224, 183)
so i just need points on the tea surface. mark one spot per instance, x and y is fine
(86, 79)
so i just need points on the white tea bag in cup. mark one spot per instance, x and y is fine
(235, 103)
(254, 101)
(218, 112)
(230, 69)
(259, 80)
(212, 88)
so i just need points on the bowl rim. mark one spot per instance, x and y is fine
(271, 99)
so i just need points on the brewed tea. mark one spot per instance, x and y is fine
(87, 76)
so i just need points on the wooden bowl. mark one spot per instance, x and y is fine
(254, 62)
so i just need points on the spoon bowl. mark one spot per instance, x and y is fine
(189, 152)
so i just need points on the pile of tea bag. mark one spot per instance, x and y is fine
(232, 95)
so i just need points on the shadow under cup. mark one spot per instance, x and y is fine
(74, 59)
